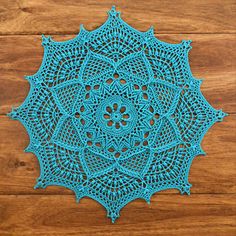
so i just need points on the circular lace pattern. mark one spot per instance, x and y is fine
(115, 114)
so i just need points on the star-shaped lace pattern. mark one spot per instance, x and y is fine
(115, 114)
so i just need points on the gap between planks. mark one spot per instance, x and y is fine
(76, 32)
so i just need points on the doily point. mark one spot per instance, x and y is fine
(185, 188)
(187, 44)
(115, 114)
(197, 150)
(113, 11)
(149, 34)
(79, 194)
(82, 27)
(220, 115)
(26, 77)
(13, 114)
(28, 149)
(40, 184)
(148, 200)
(46, 40)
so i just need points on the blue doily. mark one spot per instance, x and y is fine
(115, 114)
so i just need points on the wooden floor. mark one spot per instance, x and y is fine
(209, 210)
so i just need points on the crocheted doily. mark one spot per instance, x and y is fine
(115, 114)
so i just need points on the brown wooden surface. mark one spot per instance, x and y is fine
(211, 207)
(212, 58)
(65, 16)
(19, 170)
(198, 214)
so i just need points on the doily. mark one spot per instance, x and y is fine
(115, 115)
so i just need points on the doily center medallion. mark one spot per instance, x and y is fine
(115, 114)
(117, 117)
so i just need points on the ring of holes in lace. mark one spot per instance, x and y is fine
(116, 115)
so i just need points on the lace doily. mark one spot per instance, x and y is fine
(115, 114)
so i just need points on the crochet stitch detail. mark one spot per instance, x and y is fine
(115, 115)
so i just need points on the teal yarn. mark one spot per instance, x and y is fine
(115, 115)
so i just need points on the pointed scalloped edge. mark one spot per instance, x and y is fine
(183, 187)
(220, 113)
(30, 148)
(197, 151)
(150, 31)
(47, 41)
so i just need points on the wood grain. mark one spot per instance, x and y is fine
(210, 209)
(19, 170)
(213, 58)
(65, 16)
(211, 215)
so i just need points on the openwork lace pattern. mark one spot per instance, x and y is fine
(115, 115)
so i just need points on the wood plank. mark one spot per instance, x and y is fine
(214, 173)
(169, 215)
(64, 17)
(212, 58)
(211, 207)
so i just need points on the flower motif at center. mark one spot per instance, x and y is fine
(115, 114)
(116, 117)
